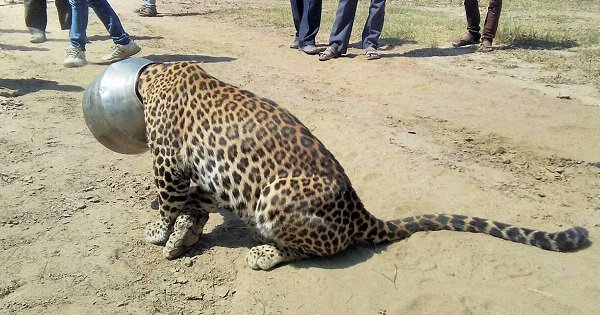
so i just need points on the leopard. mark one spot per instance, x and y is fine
(215, 145)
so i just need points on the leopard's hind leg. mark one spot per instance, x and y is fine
(265, 257)
(302, 217)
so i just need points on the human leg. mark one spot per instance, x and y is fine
(297, 8)
(63, 8)
(35, 14)
(77, 35)
(473, 19)
(149, 3)
(79, 22)
(36, 19)
(124, 46)
(374, 24)
(490, 25)
(111, 21)
(342, 27)
(310, 21)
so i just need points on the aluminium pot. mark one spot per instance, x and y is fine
(113, 110)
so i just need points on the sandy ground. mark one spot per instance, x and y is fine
(418, 132)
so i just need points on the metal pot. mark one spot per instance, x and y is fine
(112, 109)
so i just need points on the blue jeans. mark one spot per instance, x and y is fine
(342, 27)
(105, 13)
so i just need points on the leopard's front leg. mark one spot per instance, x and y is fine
(189, 224)
(172, 186)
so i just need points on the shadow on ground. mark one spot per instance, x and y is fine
(533, 43)
(435, 52)
(394, 42)
(348, 258)
(9, 31)
(233, 233)
(161, 14)
(107, 37)
(21, 48)
(197, 58)
(25, 86)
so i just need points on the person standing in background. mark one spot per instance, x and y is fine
(36, 17)
(307, 20)
(490, 26)
(342, 29)
(124, 46)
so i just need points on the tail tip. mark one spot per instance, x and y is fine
(571, 239)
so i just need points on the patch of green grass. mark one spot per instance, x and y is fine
(278, 16)
(521, 36)
(528, 5)
(576, 67)
(547, 32)
(589, 59)
(426, 28)
(590, 36)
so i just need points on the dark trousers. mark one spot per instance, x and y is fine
(491, 19)
(37, 17)
(307, 20)
(344, 18)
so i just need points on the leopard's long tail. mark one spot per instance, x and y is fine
(385, 231)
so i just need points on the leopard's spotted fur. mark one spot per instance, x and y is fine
(250, 155)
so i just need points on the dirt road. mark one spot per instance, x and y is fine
(414, 132)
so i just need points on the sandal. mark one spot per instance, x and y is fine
(466, 41)
(486, 46)
(372, 54)
(328, 54)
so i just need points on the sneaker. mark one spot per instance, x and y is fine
(120, 52)
(75, 58)
(147, 11)
(37, 36)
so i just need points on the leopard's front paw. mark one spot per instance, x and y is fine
(157, 232)
(174, 252)
(186, 233)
